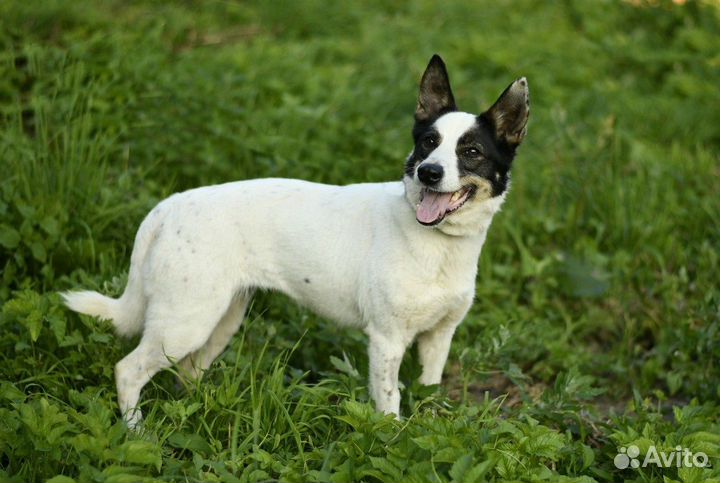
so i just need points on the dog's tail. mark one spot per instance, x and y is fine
(127, 312)
(104, 307)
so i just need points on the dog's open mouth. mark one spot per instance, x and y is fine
(436, 205)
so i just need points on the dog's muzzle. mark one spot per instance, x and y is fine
(435, 205)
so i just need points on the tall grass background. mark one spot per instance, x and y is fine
(596, 323)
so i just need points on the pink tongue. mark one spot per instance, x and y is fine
(433, 206)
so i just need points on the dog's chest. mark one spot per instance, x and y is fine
(425, 285)
(433, 299)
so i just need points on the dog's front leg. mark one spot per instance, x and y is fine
(386, 353)
(434, 346)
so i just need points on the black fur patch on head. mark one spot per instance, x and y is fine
(426, 139)
(479, 154)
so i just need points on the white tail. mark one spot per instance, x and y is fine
(127, 313)
(92, 303)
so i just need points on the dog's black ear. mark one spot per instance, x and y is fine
(509, 114)
(436, 97)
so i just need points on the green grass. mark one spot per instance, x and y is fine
(597, 317)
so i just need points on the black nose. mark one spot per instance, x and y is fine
(429, 173)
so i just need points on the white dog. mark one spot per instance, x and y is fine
(396, 259)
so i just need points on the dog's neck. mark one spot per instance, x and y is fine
(474, 222)
(460, 241)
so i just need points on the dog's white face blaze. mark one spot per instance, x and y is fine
(451, 127)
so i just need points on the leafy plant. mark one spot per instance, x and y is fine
(596, 324)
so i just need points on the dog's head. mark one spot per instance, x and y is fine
(461, 160)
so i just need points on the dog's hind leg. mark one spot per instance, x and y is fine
(195, 364)
(131, 375)
(172, 331)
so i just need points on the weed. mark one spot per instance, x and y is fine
(596, 324)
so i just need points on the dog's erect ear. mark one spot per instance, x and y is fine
(509, 114)
(436, 97)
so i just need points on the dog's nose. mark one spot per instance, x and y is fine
(429, 173)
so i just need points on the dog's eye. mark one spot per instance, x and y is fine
(472, 152)
(429, 142)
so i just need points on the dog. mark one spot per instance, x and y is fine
(396, 259)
